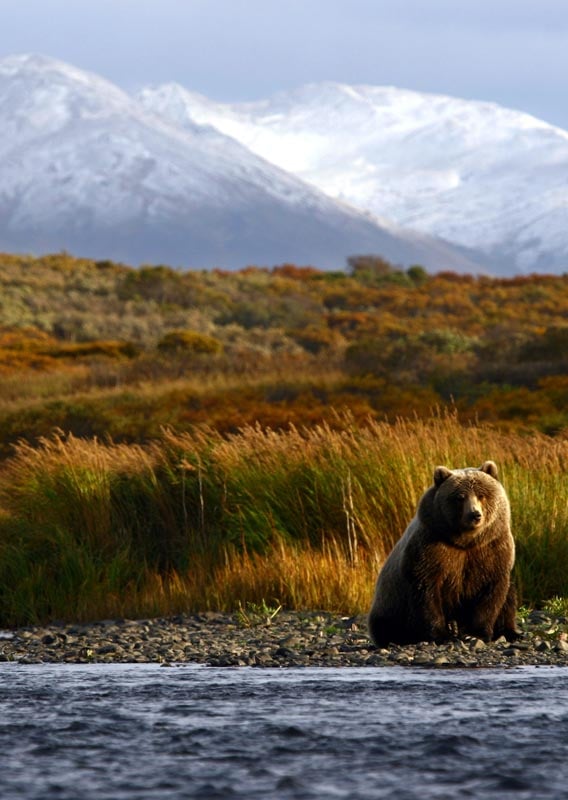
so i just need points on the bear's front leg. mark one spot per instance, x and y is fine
(426, 577)
(506, 623)
(486, 611)
(436, 626)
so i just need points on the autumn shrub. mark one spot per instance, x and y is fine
(296, 273)
(161, 284)
(369, 268)
(552, 345)
(316, 339)
(417, 274)
(82, 350)
(189, 342)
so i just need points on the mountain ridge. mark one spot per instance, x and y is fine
(87, 168)
(475, 173)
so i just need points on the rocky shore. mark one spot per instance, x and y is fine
(278, 639)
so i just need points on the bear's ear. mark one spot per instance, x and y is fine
(441, 474)
(490, 467)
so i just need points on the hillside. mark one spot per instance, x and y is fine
(99, 348)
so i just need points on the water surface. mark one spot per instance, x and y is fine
(76, 732)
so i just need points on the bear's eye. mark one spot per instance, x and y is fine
(459, 497)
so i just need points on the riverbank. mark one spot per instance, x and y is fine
(287, 639)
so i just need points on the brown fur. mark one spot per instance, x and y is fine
(452, 566)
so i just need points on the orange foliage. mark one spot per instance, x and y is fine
(136, 349)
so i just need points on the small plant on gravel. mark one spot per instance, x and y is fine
(523, 612)
(557, 607)
(256, 614)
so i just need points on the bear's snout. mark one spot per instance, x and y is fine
(472, 513)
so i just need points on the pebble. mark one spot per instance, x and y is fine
(291, 638)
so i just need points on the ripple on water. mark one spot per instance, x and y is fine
(140, 731)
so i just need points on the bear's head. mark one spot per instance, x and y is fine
(466, 501)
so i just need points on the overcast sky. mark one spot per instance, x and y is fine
(514, 52)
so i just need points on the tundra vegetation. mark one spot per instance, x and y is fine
(176, 440)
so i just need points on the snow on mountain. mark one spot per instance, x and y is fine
(85, 167)
(473, 173)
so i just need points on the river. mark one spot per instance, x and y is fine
(86, 732)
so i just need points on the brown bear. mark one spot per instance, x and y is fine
(452, 566)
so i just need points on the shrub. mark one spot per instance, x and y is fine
(417, 274)
(189, 342)
(316, 340)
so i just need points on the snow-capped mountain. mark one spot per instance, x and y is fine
(473, 173)
(87, 168)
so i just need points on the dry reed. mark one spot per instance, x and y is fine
(303, 518)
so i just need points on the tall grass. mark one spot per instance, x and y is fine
(303, 517)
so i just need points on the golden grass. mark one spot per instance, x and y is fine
(302, 518)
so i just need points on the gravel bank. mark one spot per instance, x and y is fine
(290, 639)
